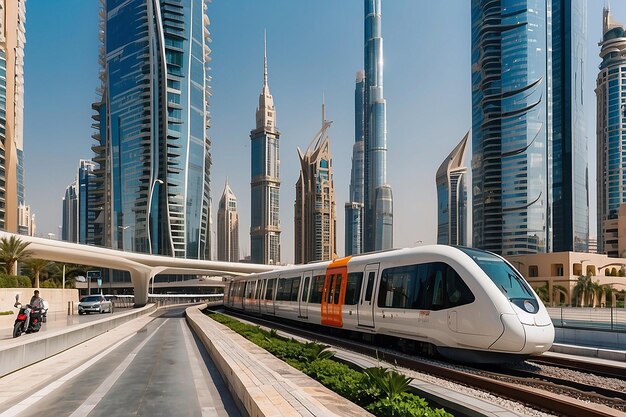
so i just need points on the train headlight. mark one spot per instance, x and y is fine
(528, 306)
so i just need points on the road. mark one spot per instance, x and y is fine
(158, 371)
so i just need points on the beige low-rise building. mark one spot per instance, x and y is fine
(560, 272)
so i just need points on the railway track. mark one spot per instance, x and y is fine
(595, 368)
(552, 397)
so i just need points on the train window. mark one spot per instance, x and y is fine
(353, 288)
(437, 291)
(295, 289)
(507, 279)
(288, 289)
(397, 287)
(305, 289)
(269, 293)
(337, 292)
(370, 285)
(257, 294)
(430, 286)
(249, 289)
(330, 290)
(317, 287)
(282, 293)
(457, 292)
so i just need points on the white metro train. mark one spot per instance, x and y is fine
(469, 304)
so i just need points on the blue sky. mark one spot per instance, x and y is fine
(314, 48)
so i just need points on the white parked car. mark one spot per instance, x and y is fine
(94, 304)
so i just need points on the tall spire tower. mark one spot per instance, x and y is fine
(378, 199)
(265, 180)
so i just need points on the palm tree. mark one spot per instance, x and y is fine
(37, 266)
(542, 292)
(13, 250)
(583, 288)
(605, 289)
(71, 272)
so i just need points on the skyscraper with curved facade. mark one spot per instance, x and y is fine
(529, 161)
(452, 197)
(314, 208)
(265, 181)
(152, 144)
(377, 222)
(611, 136)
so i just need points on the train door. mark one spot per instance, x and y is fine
(365, 307)
(304, 298)
(334, 292)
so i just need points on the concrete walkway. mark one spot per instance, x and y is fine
(149, 367)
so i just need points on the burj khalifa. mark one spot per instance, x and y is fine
(378, 200)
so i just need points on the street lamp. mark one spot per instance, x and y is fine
(123, 229)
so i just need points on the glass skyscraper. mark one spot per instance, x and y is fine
(569, 153)
(377, 222)
(529, 163)
(78, 219)
(354, 208)
(452, 197)
(611, 122)
(153, 148)
(314, 208)
(265, 181)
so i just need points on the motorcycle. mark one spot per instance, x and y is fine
(20, 322)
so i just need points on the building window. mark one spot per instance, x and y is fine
(557, 270)
(533, 271)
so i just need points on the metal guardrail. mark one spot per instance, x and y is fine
(608, 318)
(168, 299)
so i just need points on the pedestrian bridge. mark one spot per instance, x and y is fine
(142, 267)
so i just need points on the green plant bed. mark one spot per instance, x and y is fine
(381, 391)
(6, 313)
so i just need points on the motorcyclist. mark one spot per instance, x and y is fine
(35, 302)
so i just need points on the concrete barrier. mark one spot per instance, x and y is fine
(264, 385)
(26, 350)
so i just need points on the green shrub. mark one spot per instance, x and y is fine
(49, 284)
(6, 313)
(24, 281)
(14, 281)
(379, 390)
(405, 405)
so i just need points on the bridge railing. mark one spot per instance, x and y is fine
(122, 301)
(608, 318)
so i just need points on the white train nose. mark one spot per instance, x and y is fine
(513, 338)
(539, 339)
(526, 339)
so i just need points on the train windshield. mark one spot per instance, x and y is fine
(507, 279)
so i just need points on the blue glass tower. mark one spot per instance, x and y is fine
(611, 166)
(265, 180)
(510, 126)
(354, 208)
(378, 201)
(570, 177)
(151, 128)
